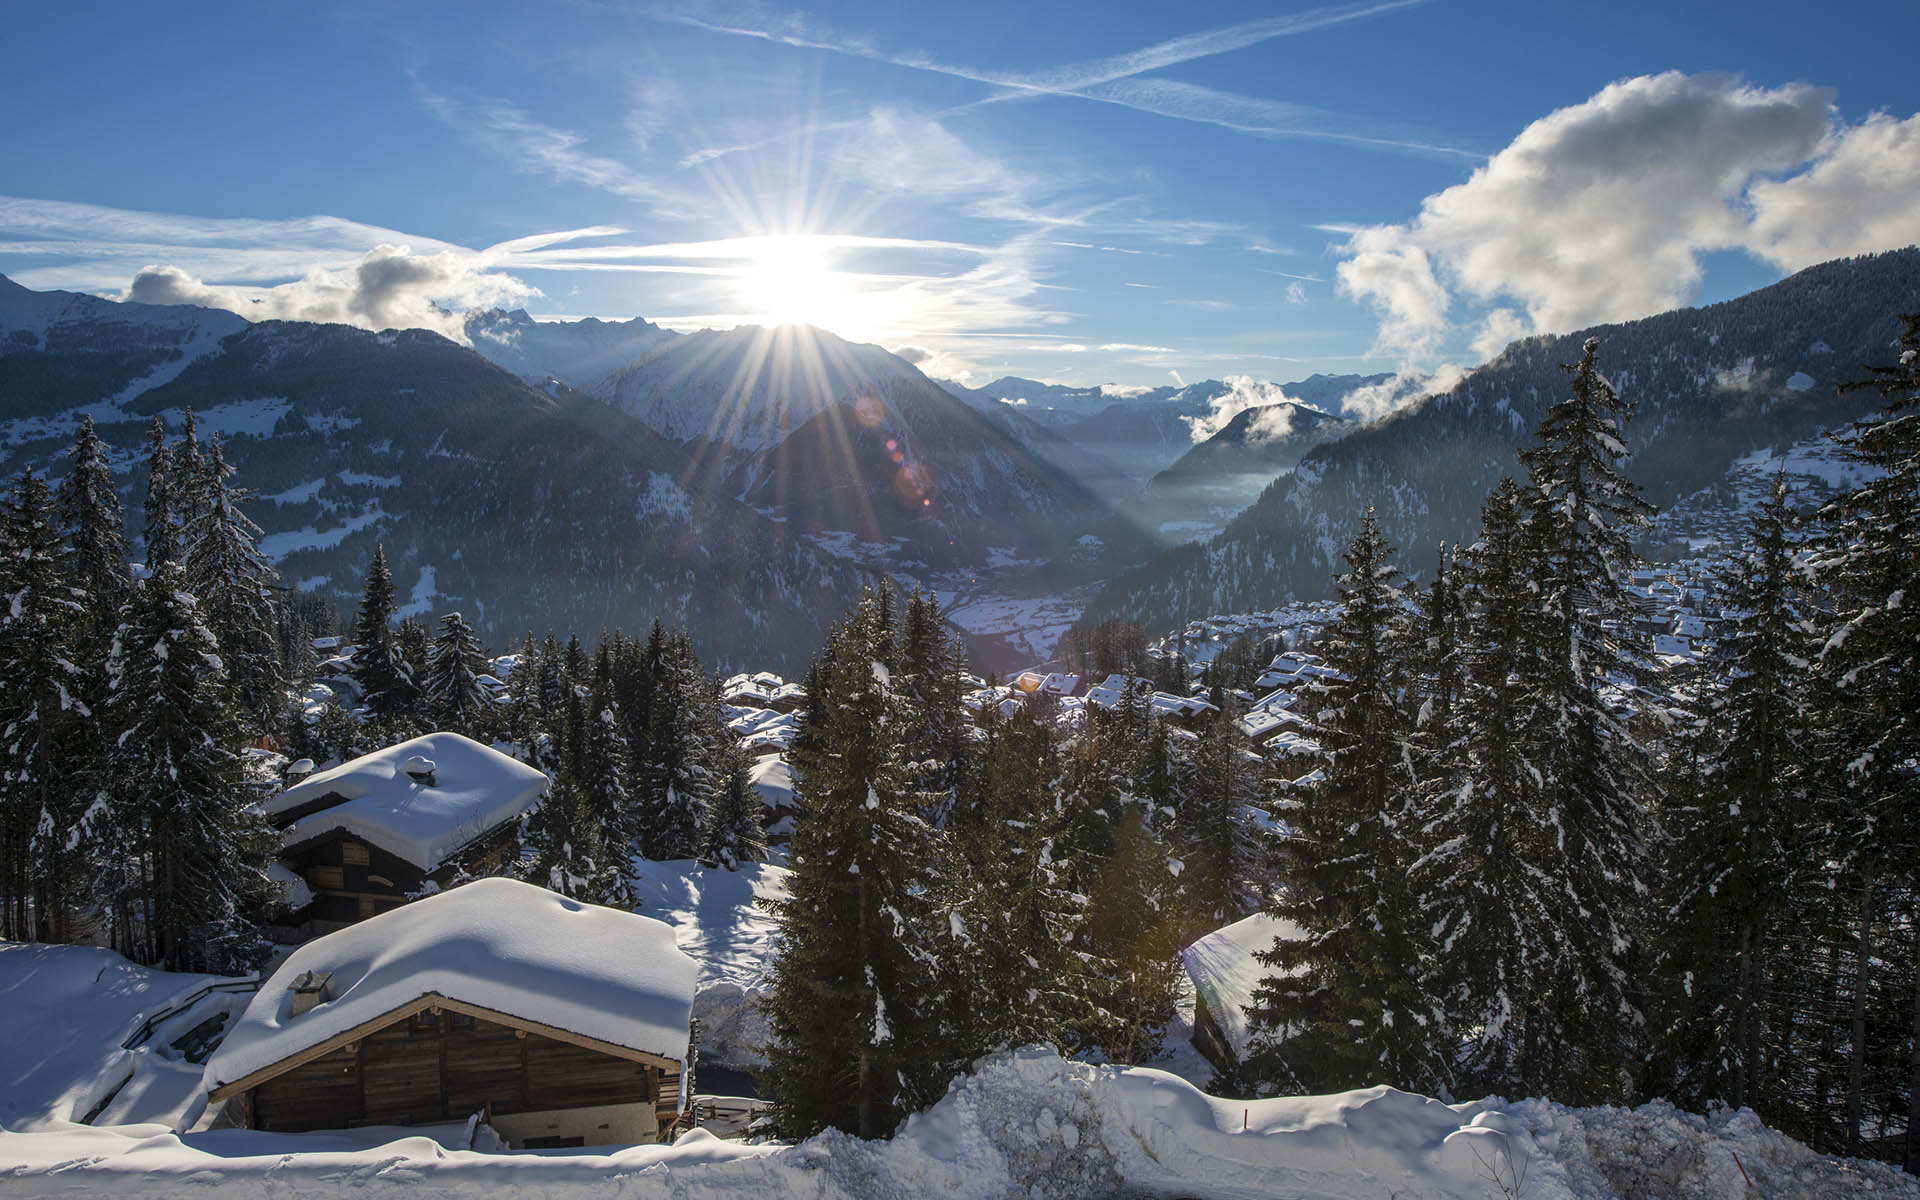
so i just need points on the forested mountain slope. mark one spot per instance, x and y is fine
(1711, 383)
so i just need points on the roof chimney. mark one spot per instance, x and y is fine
(419, 768)
(310, 988)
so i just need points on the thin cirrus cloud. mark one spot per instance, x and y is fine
(1117, 79)
(333, 270)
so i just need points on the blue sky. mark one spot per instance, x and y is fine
(1080, 192)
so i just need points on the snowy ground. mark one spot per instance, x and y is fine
(1025, 1125)
(69, 1010)
(717, 921)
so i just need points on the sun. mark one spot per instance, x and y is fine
(789, 279)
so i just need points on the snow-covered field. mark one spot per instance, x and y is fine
(1026, 1124)
(731, 938)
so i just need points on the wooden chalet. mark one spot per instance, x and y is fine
(561, 1023)
(369, 834)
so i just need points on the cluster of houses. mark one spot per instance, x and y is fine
(410, 1001)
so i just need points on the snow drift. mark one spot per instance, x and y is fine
(1025, 1124)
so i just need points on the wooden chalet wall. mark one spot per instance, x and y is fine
(437, 1067)
(351, 878)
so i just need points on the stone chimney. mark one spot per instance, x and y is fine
(310, 988)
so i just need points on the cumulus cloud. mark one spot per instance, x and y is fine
(1603, 210)
(1377, 400)
(1859, 196)
(1243, 392)
(391, 287)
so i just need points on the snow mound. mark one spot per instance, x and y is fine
(497, 943)
(68, 1011)
(1024, 1124)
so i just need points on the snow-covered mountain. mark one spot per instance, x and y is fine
(523, 507)
(746, 388)
(1712, 385)
(575, 352)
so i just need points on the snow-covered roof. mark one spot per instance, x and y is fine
(1109, 692)
(772, 777)
(1225, 973)
(474, 789)
(495, 943)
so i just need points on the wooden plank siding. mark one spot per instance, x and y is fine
(441, 1065)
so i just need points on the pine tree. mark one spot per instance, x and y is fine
(677, 782)
(454, 667)
(236, 586)
(1131, 938)
(1597, 780)
(732, 834)
(1478, 876)
(42, 712)
(601, 768)
(162, 536)
(180, 805)
(1013, 911)
(1737, 869)
(1867, 557)
(853, 999)
(96, 531)
(1346, 1006)
(1216, 848)
(379, 666)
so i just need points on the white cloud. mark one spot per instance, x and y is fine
(1861, 194)
(391, 287)
(1377, 400)
(1296, 292)
(1243, 392)
(1602, 211)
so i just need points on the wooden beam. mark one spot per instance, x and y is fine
(434, 999)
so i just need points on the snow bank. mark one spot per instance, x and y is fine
(473, 789)
(67, 1011)
(1027, 1125)
(497, 943)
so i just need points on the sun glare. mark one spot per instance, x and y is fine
(790, 281)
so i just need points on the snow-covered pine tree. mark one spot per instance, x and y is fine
(43, 717)
(678, 780)
(1736, 868)
(733, 833)
(1009, 977)
(97, 534)
(1477, 877)
(601, 770)
(931, 665)
(236, 588)
(1597, 781)
(1346, 1006)
(379, 667)
(180, 807)
(1131, 940)
(189, 483)
(454, 667)
(1212, 838)
(1867, 557)
(854, 992)
(160, 511)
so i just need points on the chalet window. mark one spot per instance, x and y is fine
(327, 877)
(426, 1022)
(353, 854)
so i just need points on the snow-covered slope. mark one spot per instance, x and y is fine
(574, 352)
